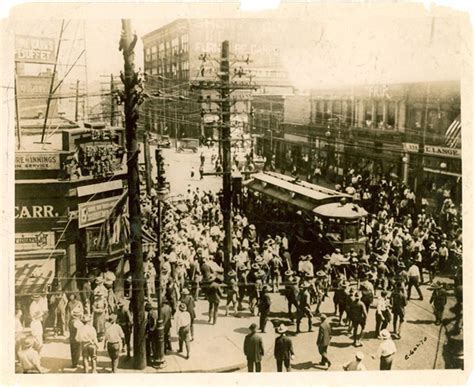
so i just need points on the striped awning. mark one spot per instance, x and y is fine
(33, 276)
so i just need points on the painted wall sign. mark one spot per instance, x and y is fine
(34, 49)
(34, 240)
(35, 211)
(37, 161)
(96, 211)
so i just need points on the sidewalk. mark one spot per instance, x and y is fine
(219, 348)
(216, 348)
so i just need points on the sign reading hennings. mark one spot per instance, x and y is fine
(34, 240)
(37, 161)
(33, 49)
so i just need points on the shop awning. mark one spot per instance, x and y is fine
(33, 276)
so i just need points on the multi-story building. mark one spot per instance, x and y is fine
(173, 57)
(381, 125)
(69, 211)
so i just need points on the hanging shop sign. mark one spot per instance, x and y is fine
(95, 212)
(34, 240)
(433, 150)
(28, 161)
(34, 49)
(98, 188)
(442, 151)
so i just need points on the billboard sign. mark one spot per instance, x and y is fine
(34, 49)
(96, 211)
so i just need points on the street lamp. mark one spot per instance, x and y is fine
(162, 194)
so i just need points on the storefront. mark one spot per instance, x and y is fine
(68, 212)
(442, 172)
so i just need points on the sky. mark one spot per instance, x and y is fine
(323, 49)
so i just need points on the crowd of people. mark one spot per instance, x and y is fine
(405, 244)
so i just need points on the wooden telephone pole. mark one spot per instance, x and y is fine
(225, 87)
(132, 99)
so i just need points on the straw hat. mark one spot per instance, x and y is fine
(320, 273)
(185, 291)
(289, 273)
(182, 307)
(282, 328)
(255, 266)
(359, 355)
(385, 334)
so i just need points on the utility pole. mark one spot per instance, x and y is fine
(226, 154)
(76, 110)
(420, 184)
(162, 192)
(224, 87)
(146, 148)
(17, 111)
(132, 99)
(112, 101)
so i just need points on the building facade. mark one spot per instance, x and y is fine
(70, 213)
(188, 50)
(381, 126)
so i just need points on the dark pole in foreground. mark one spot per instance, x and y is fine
(226, 154)
(146, 149)
(162, 191)
(131, 102)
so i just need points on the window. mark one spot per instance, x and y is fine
(161, 50)
(153, 53)
(185, 69)
(147, 54)
(184, 42)
(175, 46)
(391, 111)
(154, 71)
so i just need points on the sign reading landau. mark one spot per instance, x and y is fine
(36, 161)
(26, 241)
(96, 211)
(433, 150)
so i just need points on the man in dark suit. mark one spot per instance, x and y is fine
(264, 304)
(253, 349)
(214, 295)
(166, 316)
(283, 349)
(324, 338)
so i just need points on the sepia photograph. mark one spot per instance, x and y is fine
(205, 191)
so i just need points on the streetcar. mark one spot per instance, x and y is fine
(318, 220)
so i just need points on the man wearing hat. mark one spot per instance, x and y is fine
(29, 357)
(113, 341)
(291, 293)
(359, 318)
(438, 299)
(414, 277)
(253, 349)
(183, 328)
(74, 325)
(232, 292)
(125, 320)
(356, 364)
(304, 306)
(87, 336)
(386, 351)
(323, 340)
(432, 261)
(399, 302)
(214, 295)
(264, 304)
(283, 351)
(188, 300)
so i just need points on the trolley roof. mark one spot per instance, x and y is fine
(301, 194)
